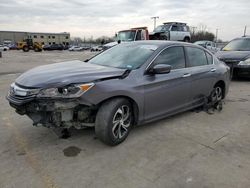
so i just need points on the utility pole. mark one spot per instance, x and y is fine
(154, 18)
(216, 36)
(245, 31)
(193, 29)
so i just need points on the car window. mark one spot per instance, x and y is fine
(241, 44)
(196, 57)
(173, 56)
(174, 28)
(180, 28)
(209, 58)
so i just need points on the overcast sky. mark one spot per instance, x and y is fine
(101, 17)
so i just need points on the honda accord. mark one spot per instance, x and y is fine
(129, 84)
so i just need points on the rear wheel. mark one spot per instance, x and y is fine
(36, 49)
(186, 39)
(114, 121)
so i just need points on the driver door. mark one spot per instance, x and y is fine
(167, 93)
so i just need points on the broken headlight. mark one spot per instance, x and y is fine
(246, 62)
(72, 91)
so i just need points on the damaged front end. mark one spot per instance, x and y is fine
(58, 108)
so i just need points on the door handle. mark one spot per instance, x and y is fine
(213, 69)
(186, 75)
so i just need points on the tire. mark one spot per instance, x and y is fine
(114, 121)
(36, 49)
(186, 39)
(26, 49)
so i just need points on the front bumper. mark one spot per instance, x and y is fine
(64, 113)
(238, 70)
(242, 71)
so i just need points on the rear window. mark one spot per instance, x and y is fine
(196, 57)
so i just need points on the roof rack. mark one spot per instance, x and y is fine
(139, 28)
(177, 23)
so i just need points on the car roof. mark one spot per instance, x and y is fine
(244, 37)
(163, 44)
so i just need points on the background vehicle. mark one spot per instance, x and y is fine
(4, 48)
(53, 47)
(28, 44)
(133, 34)
(115, 90)
(129, 35)
(211, 46)
(12, 46)
(96, 48)
(76, 48)
(174, 31)
(236, 54)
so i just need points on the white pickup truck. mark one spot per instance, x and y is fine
(174, 31)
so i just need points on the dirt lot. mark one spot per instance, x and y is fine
(187, 150)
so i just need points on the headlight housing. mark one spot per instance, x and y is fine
(246, 62)
(71, 91)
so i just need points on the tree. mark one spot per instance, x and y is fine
(201, 33)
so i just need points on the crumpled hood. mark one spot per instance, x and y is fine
(233, 55)
(61, 74)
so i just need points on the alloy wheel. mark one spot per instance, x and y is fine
(121, 122)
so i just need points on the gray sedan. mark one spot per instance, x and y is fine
(129, 84)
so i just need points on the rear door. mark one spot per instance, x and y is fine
(167, 93)
(203, 73)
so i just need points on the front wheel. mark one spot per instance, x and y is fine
(114, 121)
(217, 94)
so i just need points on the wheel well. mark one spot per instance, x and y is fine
(133, 103)
(222, 85)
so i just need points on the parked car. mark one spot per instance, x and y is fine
(53, 47)
(211, 46)
(96, 48)
(174, 31)
(76, 48)
(4, 48)
(129, 84)
(236, 54)
(12, 46)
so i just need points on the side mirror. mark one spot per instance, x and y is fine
(160, 69)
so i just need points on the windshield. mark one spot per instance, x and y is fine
(162, 28)
(238, 45)
(125, 56)
(126, 35)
